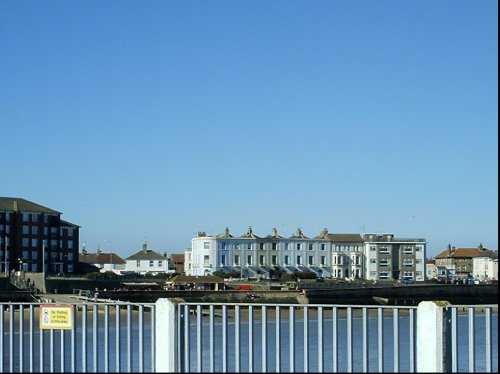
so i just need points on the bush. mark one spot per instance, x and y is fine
(287, 277)
(305, 275)
(275, 274)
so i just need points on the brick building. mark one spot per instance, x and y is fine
(33, 237)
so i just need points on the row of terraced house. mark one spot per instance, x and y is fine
(367, 256)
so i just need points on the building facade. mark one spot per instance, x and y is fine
(485, 267)
(328, 255)
(459, 261)
(34, 238)
(147, 261)
(104, 261)
(391, 258)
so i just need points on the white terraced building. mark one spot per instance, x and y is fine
(327, 255)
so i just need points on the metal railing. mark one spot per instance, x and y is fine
(173, 335)
(288, 338)
(471, 342)
(104, 338)
(432, 337)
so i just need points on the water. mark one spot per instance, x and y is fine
(373, 358)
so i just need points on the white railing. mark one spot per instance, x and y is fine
(176, 336)
(215, 337)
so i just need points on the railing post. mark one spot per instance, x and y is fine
(433, 337)
(165, 333)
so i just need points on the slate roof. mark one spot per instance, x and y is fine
(323, 234)
(298, 235)
(68, 224)
(274, 235)
(225, 234)
(101, 258)
(345, 238)
(249, 235)
(146, 255)
(14, 204)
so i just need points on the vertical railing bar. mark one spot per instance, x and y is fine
(291, 327)
(152, 322)
(349, 340)
(118, 338)
(278, 339)
(250, 338)
(95, 336)
(237, 338)
(41, 352)
(73, 339)
(2, 335)
(180, 310)
(106, 338)
(488, 346)
(199, 361)
(129, 338)
(63, 363)
(12, 312)
(320, 339)
(32, 340)
(187, 352)
(264, 339)
(224, 338)
(141, 338)
(21, 337)
(335, 339)
(395, 321)
(84, 338)
(51, 336)
(471, 340)
(454, 340)
(365, 340)
(380, 332)
(412, 339)
(212, 341)
(306, 339)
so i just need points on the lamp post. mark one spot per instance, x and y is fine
(43, 259)
(110, 253)
(3, 243)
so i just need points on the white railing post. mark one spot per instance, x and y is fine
(433, 337)
(165, 334)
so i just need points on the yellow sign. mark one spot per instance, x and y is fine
(56, 317)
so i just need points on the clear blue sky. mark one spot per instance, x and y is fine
(158, 119)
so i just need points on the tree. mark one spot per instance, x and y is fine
(275, 273)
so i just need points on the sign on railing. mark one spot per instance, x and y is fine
(56, 317)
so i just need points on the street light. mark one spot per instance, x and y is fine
(43, 259)
(4, 242)
(110, 253)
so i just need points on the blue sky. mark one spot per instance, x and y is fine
(153, 120)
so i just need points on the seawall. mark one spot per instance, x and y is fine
(406, 295)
